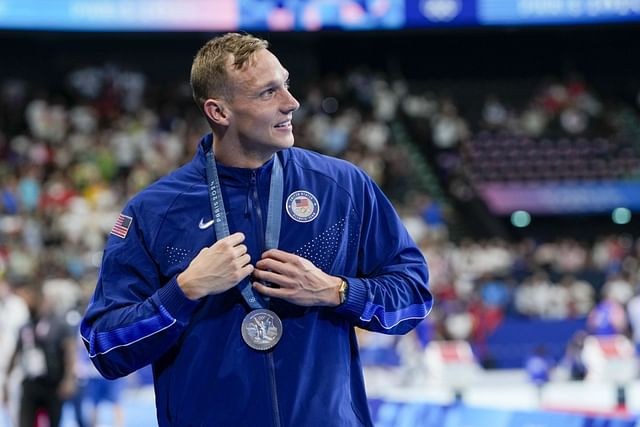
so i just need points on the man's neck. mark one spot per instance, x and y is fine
(236, 157)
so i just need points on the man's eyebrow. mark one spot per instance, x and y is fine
(272, 83)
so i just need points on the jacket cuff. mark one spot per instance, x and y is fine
(175, 301)
(356, 298)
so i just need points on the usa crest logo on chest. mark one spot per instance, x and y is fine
(302, 206)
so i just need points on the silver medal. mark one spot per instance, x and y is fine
(261, 329)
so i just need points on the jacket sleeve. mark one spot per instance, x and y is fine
(135, 314)
(390, 292)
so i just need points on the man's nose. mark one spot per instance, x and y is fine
(291, 103)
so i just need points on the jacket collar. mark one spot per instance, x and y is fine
(231, 175)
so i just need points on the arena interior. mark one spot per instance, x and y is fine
(510, 146)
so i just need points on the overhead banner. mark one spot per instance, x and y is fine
(119, 15)
(549, 12)
(561, 198)
(304, 15)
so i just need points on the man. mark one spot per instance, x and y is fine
(46, 352)
(14, 313)
(241, 275)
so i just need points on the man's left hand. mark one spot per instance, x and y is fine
(301, 282)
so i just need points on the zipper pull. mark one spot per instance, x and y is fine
(249, 205)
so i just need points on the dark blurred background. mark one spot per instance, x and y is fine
(507, 135)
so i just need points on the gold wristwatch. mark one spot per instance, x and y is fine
(342, 290)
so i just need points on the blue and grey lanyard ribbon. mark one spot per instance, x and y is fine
(272, 234)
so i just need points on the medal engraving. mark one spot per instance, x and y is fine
(261, 329)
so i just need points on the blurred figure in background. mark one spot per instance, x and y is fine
(14, 314)
(633, 311)
(573, 359)
(96, 391)
(46, 351)
(608, 317)
(538, 367)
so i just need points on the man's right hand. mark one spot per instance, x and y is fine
(216, 268)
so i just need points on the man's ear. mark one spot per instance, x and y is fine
(217, 111)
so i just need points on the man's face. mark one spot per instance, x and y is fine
(262, 106)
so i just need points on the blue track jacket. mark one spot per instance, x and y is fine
(205, 375)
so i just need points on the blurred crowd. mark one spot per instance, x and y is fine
(479, 283)
(71, 156)
(552, 107)
(555, 129)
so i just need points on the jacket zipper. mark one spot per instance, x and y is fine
(270, 361)
(272, 378)
(257, 207)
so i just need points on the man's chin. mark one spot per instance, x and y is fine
(286, 142)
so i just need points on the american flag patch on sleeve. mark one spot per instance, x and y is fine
(121, 227)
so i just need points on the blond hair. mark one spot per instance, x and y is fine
(209, 74)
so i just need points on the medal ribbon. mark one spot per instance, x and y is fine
(274, 215)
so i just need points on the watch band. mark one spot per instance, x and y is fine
(342, 290)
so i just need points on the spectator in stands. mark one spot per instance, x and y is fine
(619, 288)
(459, 322)
(533, 120)
(434, 218)
(570, 256)
(494, 113)
(573, 120)
(449, 128)
(581, 295)
(559, 303)
(532, 296)
(608, 317)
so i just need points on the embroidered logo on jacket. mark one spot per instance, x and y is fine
(204, 225)
(302, 206)
(121, 227)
